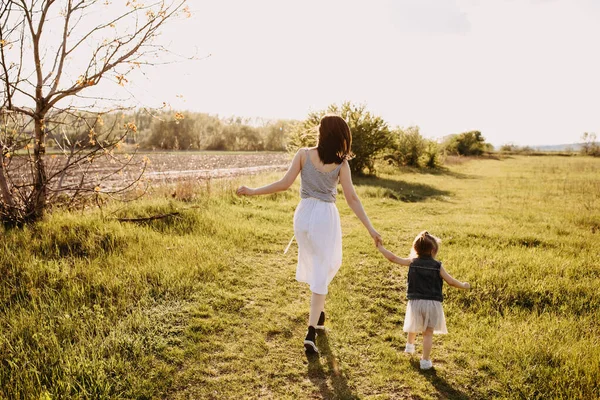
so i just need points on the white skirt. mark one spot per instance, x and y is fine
(319, 236)
(423, 314)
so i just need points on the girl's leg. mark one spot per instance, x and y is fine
(411, 337)
(427, 343)
(410, 343)
(317, 304)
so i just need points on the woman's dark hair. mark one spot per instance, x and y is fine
(335, 140)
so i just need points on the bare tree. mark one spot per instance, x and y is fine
(589, 146)
(54, 54)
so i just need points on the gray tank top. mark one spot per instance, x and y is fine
(318, 184)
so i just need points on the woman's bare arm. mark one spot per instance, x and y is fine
(354, 202)
(279, 186)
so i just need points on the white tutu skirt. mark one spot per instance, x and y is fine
(319, 236)
(423, 314)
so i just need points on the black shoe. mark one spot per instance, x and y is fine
(321, 323)
(309, 342)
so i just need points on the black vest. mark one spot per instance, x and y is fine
(424, 280)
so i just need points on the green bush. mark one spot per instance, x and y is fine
(407, 148)
(411, 149)
(370, 134)
(514, 149)
(432, 156)
(467, 144)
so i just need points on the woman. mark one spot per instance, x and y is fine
(316, 220)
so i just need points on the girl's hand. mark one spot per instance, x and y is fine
(466, 285)
(244, 191)
(376, 237)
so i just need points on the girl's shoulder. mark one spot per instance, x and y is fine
(431, 262)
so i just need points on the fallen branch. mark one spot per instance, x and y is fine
(151, 218)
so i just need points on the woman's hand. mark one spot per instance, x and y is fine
(466, 285)
(376, 237)
(244, 191)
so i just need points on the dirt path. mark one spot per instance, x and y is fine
(212, 173)
(177, 166)
(159, 167)
(181, 166)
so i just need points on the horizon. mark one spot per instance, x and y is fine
(522, 73)
(257, 122)
(533, 84)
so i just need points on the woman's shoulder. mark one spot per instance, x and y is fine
(305, 150)
(303, 153)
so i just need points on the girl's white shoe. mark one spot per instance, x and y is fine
(426, 364)
(409, 348)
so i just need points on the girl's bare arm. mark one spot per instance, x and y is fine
(354, 202)
(453, 282)
(279, 186)
(392, 257)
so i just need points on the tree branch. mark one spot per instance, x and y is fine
(151, 218)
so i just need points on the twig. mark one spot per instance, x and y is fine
(153, 217)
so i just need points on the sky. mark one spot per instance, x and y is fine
(520, 71)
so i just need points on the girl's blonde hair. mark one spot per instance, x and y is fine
(424, 244)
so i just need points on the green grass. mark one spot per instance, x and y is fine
(205, 305)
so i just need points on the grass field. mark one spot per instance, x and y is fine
(204, 305)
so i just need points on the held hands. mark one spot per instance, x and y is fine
(381, 249)
(376, 237)
(244, 191)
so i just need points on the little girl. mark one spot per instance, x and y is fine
(316, 220)
(424, 312)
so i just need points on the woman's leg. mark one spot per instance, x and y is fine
(427, 343)
(317, 304)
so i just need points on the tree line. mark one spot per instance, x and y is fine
(373, 139)
(169, 130)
